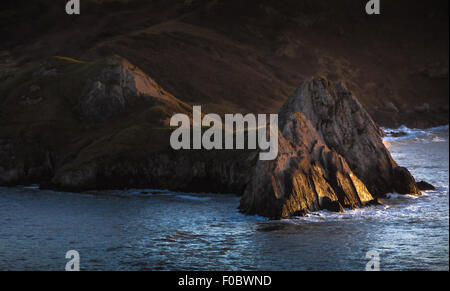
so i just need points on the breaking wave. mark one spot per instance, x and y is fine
(423, 135)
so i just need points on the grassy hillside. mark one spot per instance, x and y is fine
(250, 55)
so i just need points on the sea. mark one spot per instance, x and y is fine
(161, 230)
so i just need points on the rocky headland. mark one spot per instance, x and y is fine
(99, 118)
(331, 154)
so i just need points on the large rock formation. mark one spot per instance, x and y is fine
(108, 130)
(117, 85)
(306, 176)
(330, 156)
(345, 126)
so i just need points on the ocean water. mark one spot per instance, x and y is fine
(161, 230)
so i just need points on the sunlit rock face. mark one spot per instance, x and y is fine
(306, 176)
(331, 155)
(345, 126)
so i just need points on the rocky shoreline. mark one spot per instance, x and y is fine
(114, 135)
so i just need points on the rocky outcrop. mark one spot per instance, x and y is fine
(306, 176)
(345, 126)
(403, 182)
(330, 156)
(54, 138)
(425, 186)
(119, 84)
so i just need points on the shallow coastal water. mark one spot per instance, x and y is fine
(160, 230)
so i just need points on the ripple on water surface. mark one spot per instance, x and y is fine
(161, 230)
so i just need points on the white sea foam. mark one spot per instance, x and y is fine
(399, 205)
(327, 216)
(415, 134)
(401, 196)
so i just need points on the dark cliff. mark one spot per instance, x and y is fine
(85, 100)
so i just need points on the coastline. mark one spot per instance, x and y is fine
(314, 169)
(207, 136)
(135, 231)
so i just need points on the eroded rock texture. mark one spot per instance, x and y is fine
(345, 126)
(330, 155)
